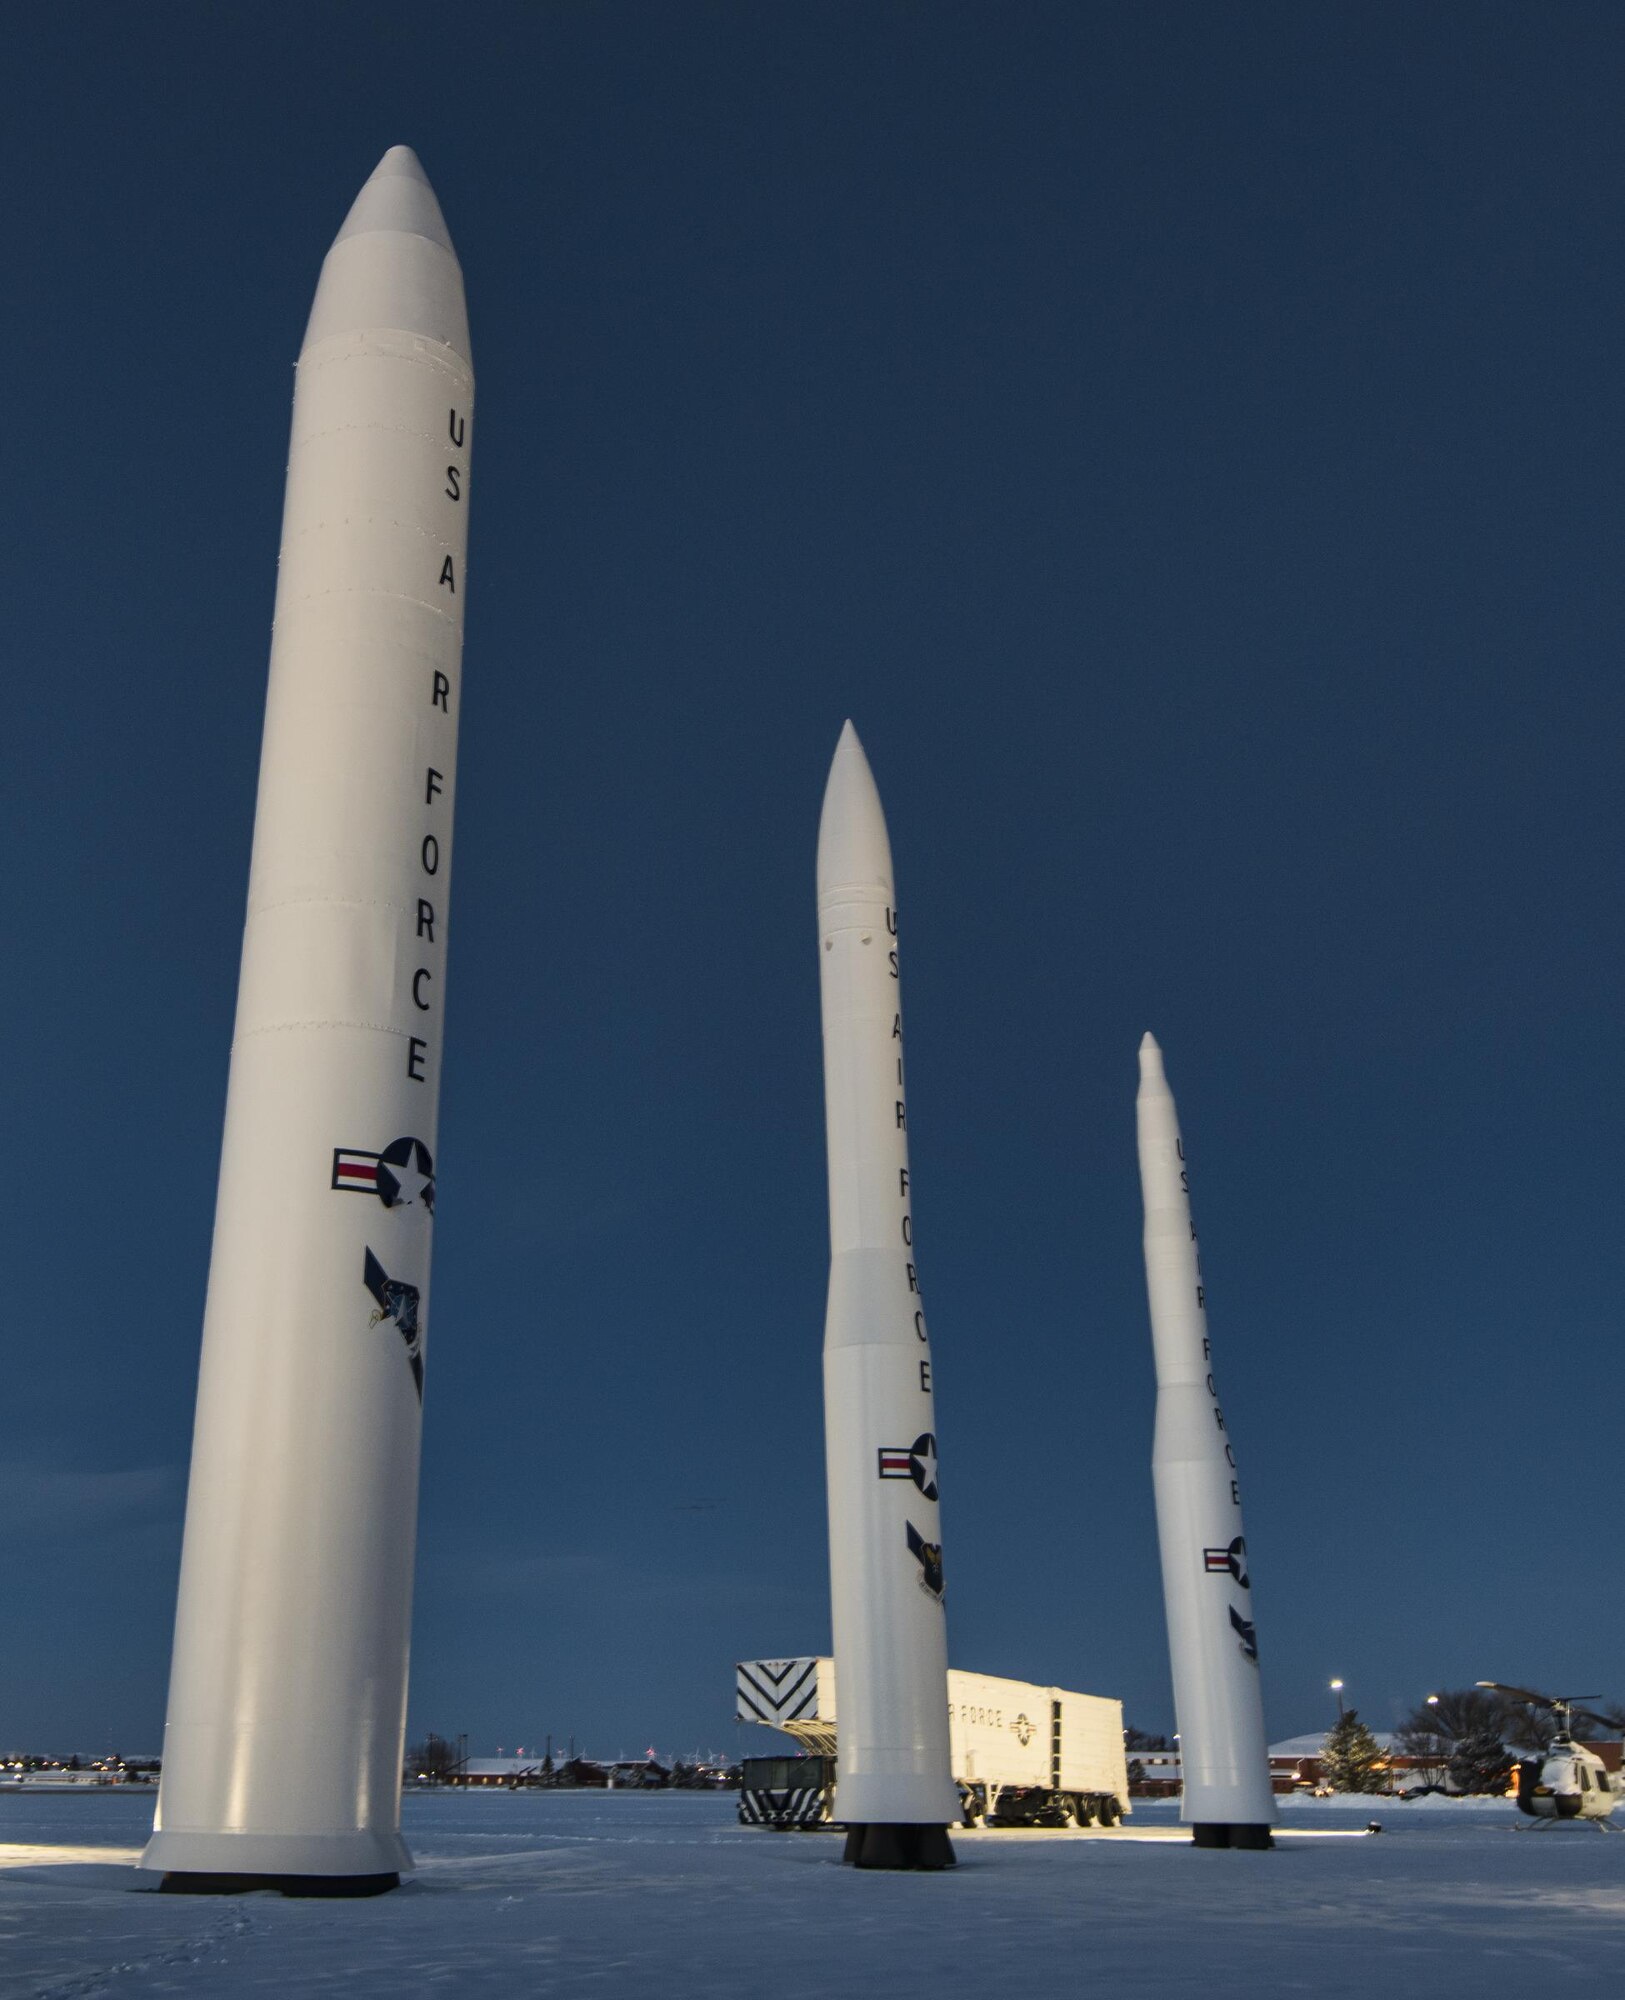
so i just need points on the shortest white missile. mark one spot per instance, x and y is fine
(1206, 1575)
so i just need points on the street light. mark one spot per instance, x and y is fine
(1444, 1735)
(1337, 1689)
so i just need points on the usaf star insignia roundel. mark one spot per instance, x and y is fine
(1230, 1561)
(402, 1174)
(922, 1464)
(916, 1461)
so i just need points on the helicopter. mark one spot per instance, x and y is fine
(1566, 1780)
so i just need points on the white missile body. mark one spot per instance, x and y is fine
(287, 1702)
(894, 1785)
(1212, 1641)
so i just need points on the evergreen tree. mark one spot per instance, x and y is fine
(1351, 1760)
(1480, 1762)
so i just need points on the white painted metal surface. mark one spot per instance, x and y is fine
(282, 1754)
(1000, 1731)
(1003, 1732)
(1206, 1578)
(886, 1579)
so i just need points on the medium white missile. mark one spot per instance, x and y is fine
(1207, 1588)
(287, 1700)
(894, 1788)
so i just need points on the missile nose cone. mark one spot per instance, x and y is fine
(854, 853)
(1153, 1078)
(392, 265)
(401, 160)
(397, 197)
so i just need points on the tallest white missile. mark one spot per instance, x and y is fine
(894, 1787)
(287, 1699)
(1206, 1576)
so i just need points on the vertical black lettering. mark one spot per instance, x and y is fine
(919, 1324)
(1211, 1390)
(452, 476)
(426, 920)
(891, 920)
(458, 429)
(893, 957)
(908, 1231)
(416, 1050)
(902, 1114)
(431, 855)
(1218, 1418)
(913, 1279)
(418, 978)
(432, 786)
(1201, 1295)
(448, 576)
(897, 1027)
(1230, 1460)
(902, 1180)
(1207, 1348)
(1235, 1494)
(925, 1378)
(442, 688)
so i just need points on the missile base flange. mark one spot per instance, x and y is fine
(898, 1847)
(182, 1882)
(1219, 1833)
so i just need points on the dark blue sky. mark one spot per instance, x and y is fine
(1186, 439)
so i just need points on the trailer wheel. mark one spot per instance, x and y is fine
(1083, 1810)
(1109, 1812)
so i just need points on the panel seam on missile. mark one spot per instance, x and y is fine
(365, 520)
(291, 1027)
(400, 597)
(328, 902)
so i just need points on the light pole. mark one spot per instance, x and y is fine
(1445, 1736)
(1337, 1689)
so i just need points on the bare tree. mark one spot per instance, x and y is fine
(434, 1758)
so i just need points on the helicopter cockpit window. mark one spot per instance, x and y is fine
(1585, 1779)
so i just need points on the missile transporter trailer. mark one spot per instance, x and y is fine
(1022, 1755)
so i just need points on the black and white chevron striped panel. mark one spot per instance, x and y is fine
(803, 1806)
(776, 1691)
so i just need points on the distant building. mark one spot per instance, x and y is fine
(509, 1771)
(1295, 1766)
(638, 1774)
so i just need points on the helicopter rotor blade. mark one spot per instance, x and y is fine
(1524, 1694)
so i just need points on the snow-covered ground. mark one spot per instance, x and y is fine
(664, 1894)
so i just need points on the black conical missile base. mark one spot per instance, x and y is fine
(898, 1847)
(179, 1883)
(1224, 1833)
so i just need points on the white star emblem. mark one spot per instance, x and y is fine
(922, 1463)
